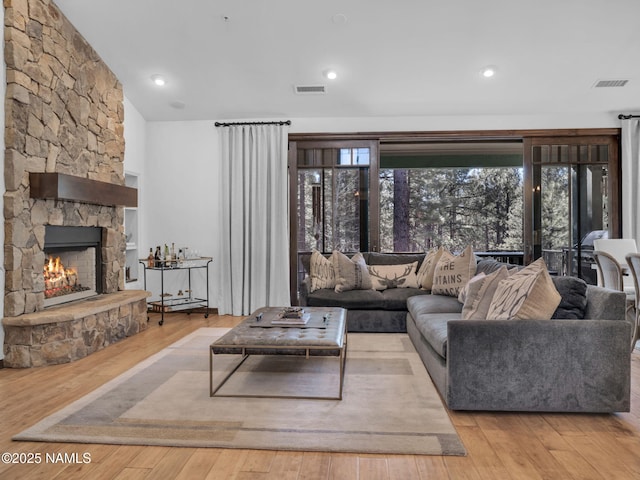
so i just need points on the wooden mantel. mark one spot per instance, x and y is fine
(59, 186)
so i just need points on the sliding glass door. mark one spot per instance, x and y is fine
(572, 197)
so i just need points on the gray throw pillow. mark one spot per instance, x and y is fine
(573, 297)
(351, 273)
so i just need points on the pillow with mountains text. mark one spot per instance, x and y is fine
(452, 272)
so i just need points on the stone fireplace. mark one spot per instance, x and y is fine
(63, 169)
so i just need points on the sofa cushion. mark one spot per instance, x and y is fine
(352, 299)
(396, 298)
(351, 273)
(453, 272)
(433, 327)
(526, 295)
(573, 293)
(422, 304)
(394, 276)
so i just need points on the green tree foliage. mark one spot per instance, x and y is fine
(455, 207)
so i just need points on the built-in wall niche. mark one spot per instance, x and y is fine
(132, 267)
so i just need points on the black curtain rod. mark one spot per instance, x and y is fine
(622, 116)
(286, 122)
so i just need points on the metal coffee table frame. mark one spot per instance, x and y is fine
(307, 351)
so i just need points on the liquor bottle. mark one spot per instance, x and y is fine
(151, 260)
(167, 256)
(158, 257)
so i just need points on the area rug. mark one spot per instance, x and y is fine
(389, 403)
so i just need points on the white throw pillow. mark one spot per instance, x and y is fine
(527, 294)
(394, 276)
(425, 274)
(480, 295)
(321, 271)
(453, 272)
(464, 291)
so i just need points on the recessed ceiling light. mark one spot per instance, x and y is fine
(158, 80)
(489, 71)
(339, 19)
(331, 74)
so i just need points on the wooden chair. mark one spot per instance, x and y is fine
(633, 260)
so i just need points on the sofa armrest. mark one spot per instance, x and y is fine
(539, 365)
(605, 304)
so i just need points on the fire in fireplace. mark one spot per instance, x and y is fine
(60, 280)
(72, 268)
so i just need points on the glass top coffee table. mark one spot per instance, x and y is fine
(265, 332)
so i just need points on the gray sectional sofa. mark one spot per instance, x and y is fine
(577, 362)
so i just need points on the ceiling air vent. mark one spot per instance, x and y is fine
(610, 83)
(310, 89)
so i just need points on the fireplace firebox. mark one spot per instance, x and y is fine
(73, 265)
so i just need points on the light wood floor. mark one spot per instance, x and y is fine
(499, 445)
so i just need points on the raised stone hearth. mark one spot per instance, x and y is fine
(65, 333)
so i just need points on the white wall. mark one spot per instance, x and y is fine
(453, 122)
(135, 152)
(181, 196)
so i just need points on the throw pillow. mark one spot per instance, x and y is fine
(321, 271)
(425, 274)
(464, 291)
(351, 273)
(480, 295)
(527, 294)
(394, 276)
(453, 272)
(573, 292)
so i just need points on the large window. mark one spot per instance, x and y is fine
(451, 194)
(333, 208)
(516, 195)
(422, 208)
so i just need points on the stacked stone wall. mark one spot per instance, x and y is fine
(64, 113)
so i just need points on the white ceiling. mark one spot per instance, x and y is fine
(240, 59)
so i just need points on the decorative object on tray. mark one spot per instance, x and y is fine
(291, 316)
(292, 312)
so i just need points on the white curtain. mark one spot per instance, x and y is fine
(630, 144)
(254, 202)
